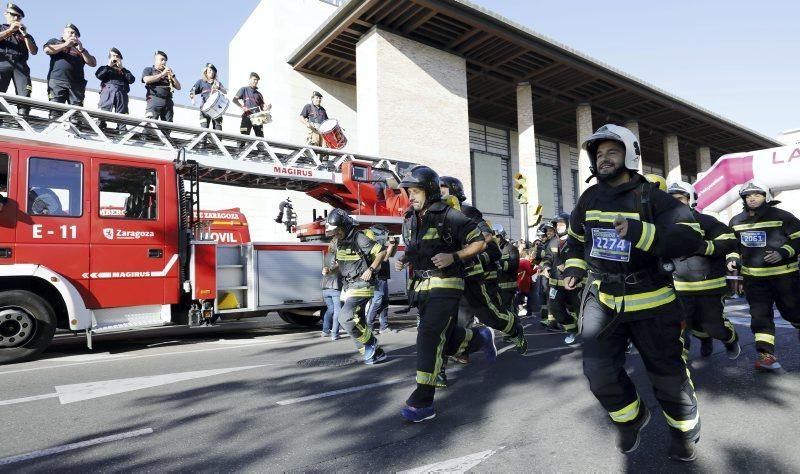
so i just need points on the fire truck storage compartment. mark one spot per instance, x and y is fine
(233, 284)
(204, 270)
(289, 274)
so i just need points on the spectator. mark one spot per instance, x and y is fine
(524, 280)
(331, 291)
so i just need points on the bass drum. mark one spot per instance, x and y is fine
(216, 105)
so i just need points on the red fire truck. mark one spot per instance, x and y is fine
(100, 229)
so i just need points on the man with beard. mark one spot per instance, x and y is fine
(620, 230)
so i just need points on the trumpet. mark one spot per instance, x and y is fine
(171, 79)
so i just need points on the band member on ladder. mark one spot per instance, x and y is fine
(65, 80)
(15, 47)
(160, 83)
(205, 86)
(115, 83)
(250, 100)
(312, 116)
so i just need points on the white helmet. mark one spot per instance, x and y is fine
(633, 151)
(682, 187)
(754, 186)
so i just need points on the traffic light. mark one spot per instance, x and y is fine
(534, 214)
(521, 187)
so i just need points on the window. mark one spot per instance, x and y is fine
(55, 187)
(491, 169)
(548, 176)
(5, 170)
(128, 192)
(490, 183)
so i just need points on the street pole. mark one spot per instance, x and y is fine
(524, 210)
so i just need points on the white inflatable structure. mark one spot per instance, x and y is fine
(778, 168)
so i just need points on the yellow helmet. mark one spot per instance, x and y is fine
(656, 179)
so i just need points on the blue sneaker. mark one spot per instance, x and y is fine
(489, 349)
(417, 415)
(369, 350)
(379, 356)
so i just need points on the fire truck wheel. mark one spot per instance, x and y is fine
(27, 325)
(299, 319)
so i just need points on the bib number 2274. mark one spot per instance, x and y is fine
(607, 245)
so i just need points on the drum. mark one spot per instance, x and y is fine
(332, 134)
(261, 118)
(216, 105)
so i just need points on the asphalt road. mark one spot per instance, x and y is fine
(262, 397)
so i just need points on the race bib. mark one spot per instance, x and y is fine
(607, 245)
(753, 238)
(553, 292)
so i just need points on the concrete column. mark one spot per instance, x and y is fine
(672, 159)
(633, 126)
(703, 159)
(583, 116)
(412, 104)
(565, 172)
(527, 146)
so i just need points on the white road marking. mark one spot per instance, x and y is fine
(14, 401)
(552, 349)
(73, 446)
(87, 391)
(359, 388)
(126, 358)
(83, 357)
(456, 465)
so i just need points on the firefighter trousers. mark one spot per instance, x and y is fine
(437, 337)
(563, 305)
(705, 318)
(784, 292)
(658, 341)
(351, 318)
(484, 304)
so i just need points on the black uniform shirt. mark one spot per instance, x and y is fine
(252, 100)
(203, 88)
(314, 114)
(13, 48)
(159, 88)
(114, 77)
(66, 66)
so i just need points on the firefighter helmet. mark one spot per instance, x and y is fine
(455, 186)
(633, 151)
(754, 187)
(425, 178)
(338, 218)
(499, 230)
(658, 180)
(682, 187)
(562, 217)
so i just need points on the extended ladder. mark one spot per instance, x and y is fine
(222, 158)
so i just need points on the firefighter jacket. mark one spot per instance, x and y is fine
(554, 255)
(355, 254)
(474, 268)
(704, 273)
(508, 266)
(441, 229)
(624, 272)
(769, 228)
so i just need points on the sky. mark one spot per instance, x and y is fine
(736, 58)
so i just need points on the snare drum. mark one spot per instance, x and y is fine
(215, 106)
(332, 134)
(261, 118)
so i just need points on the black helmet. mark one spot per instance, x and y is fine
(546, 225)
(562, 217)
(454, 185)
(423, 177)
(338, 218)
